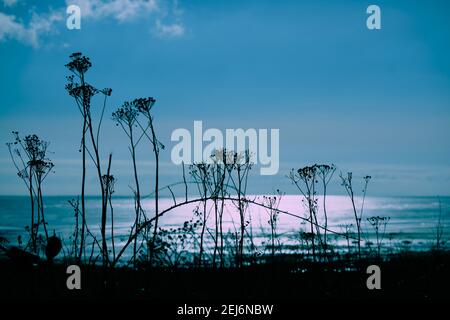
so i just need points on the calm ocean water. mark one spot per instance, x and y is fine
(412, 219)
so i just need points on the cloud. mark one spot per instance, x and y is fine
(173, 29)
(10, 3)
(11, 28)
(169, 30)
(120, 10)
(124, 10)
(40, 24)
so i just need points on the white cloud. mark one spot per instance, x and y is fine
(169, 30)
(40, 24)
(11, 28)
(120, 10)
(123, 10)
(10, 3)
(171, 12)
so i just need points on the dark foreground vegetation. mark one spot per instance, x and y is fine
(423, 276)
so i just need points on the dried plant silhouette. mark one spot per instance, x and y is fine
(347, 182)
(29, 157)
(83, 92)
(126, 117)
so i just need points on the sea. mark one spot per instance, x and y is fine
(411, 223)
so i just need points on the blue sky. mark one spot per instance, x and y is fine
(371, 101)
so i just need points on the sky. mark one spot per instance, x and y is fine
(375, 102)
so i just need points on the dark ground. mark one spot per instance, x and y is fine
(422, 276)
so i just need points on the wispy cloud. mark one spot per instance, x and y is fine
(120, 10)
(169, 30)
(170, 22)
(9, 27)
(10, 3)
(40, 24)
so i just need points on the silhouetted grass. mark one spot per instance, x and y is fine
(423, 275)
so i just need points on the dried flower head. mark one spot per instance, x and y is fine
(144, 105)
(78, 63)
(126, 114)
